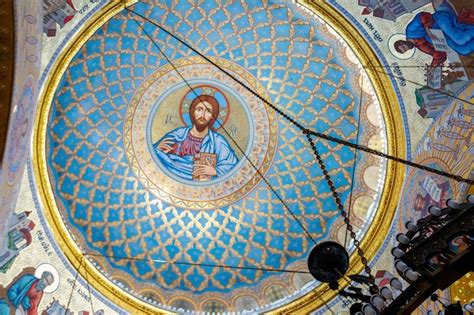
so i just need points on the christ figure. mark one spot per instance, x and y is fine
(197, 152)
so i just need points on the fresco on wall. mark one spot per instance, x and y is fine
(445, 35)
(440, 33)
(447, 145)
(60, 22)
(19, 237)
(390, 10)
(31, 245)
(23, 105)
(198, 151)
(429, 191)
(24, 294)
(19, 129)
(436, 37)
(116, 165)
(144, 165)
(55, 307)
(56, 14)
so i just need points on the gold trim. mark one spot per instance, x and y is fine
(395, 172)
(53, 217)
(311, 301)
(461, 290)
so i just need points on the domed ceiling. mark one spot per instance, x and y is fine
(217, 212)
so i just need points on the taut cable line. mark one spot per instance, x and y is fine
(257, 170)
(185, 263)
(303, 128)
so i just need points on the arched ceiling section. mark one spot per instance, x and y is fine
(128, 197)
(124, 231)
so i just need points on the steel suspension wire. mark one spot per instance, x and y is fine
(338, 201)
(418, 67)
(257, 170)
(309, 134)
(89, 289)
(184, 263)
(73, 287)
(300, 126)
(420, 84)
(340, 206)
(394, 158)
(355, 159)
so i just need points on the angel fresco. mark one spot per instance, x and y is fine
(197, 152)
(457, 29)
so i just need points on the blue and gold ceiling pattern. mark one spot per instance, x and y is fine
(130, 229)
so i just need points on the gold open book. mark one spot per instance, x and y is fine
(204, 159)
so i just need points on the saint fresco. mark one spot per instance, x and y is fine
(24, 294)
(457, 30)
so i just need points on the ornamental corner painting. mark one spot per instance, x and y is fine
(192, 142)
(438, 37)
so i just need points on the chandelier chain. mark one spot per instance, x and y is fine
(340, 206)
(389, 157)
(297, 124)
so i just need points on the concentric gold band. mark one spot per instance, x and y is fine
(370, 243)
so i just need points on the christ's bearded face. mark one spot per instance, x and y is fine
(202, 116)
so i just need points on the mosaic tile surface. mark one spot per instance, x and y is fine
(114, 214)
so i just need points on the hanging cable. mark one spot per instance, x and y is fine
(184, 263)
(340, 206)
(309, 133)
(74, 282)
(305, 131)
(88, 287)
(277, 195)
(420, 84)
(419, 67)
(300, 126)
(355, 159)
(394, 158)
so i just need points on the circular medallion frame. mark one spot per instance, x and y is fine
(242, 178)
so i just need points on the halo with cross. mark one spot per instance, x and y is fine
(224, 106)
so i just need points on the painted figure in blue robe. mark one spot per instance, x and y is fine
(25, 294)
(197, 152)
(457, 29)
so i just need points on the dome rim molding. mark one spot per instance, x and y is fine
(311, 301)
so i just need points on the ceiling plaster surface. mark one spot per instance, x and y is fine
(422, 134)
